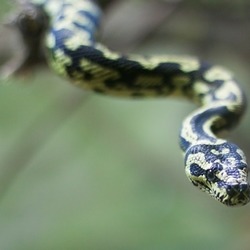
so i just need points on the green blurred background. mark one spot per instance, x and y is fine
(83, 171)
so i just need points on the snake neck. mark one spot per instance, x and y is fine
(204, 125)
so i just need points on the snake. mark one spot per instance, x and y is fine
(212, 163)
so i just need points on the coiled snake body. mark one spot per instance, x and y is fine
(215, 165)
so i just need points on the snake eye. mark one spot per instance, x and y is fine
(211, 176)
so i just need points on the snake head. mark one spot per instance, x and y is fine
(220, 170)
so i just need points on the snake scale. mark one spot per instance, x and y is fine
(213, 164)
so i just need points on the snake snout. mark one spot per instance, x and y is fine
(238, 194)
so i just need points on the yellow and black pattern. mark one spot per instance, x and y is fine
(214, 165)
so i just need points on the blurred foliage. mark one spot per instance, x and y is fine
(82, 171)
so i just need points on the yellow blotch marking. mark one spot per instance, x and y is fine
(223, 151)
(187, 132)
(201, 87)
(199, 159)
(107, 53)
(218, 73)
(80, 39)
(70, 11)
(147, 63)
(60, 61)
(51, 7)
(50, 41)
(186, 64)
(73, 16)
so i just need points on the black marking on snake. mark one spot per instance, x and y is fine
(196, 170)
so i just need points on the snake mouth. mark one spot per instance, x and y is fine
(239, 200)
(228, 194)
(234, 195)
